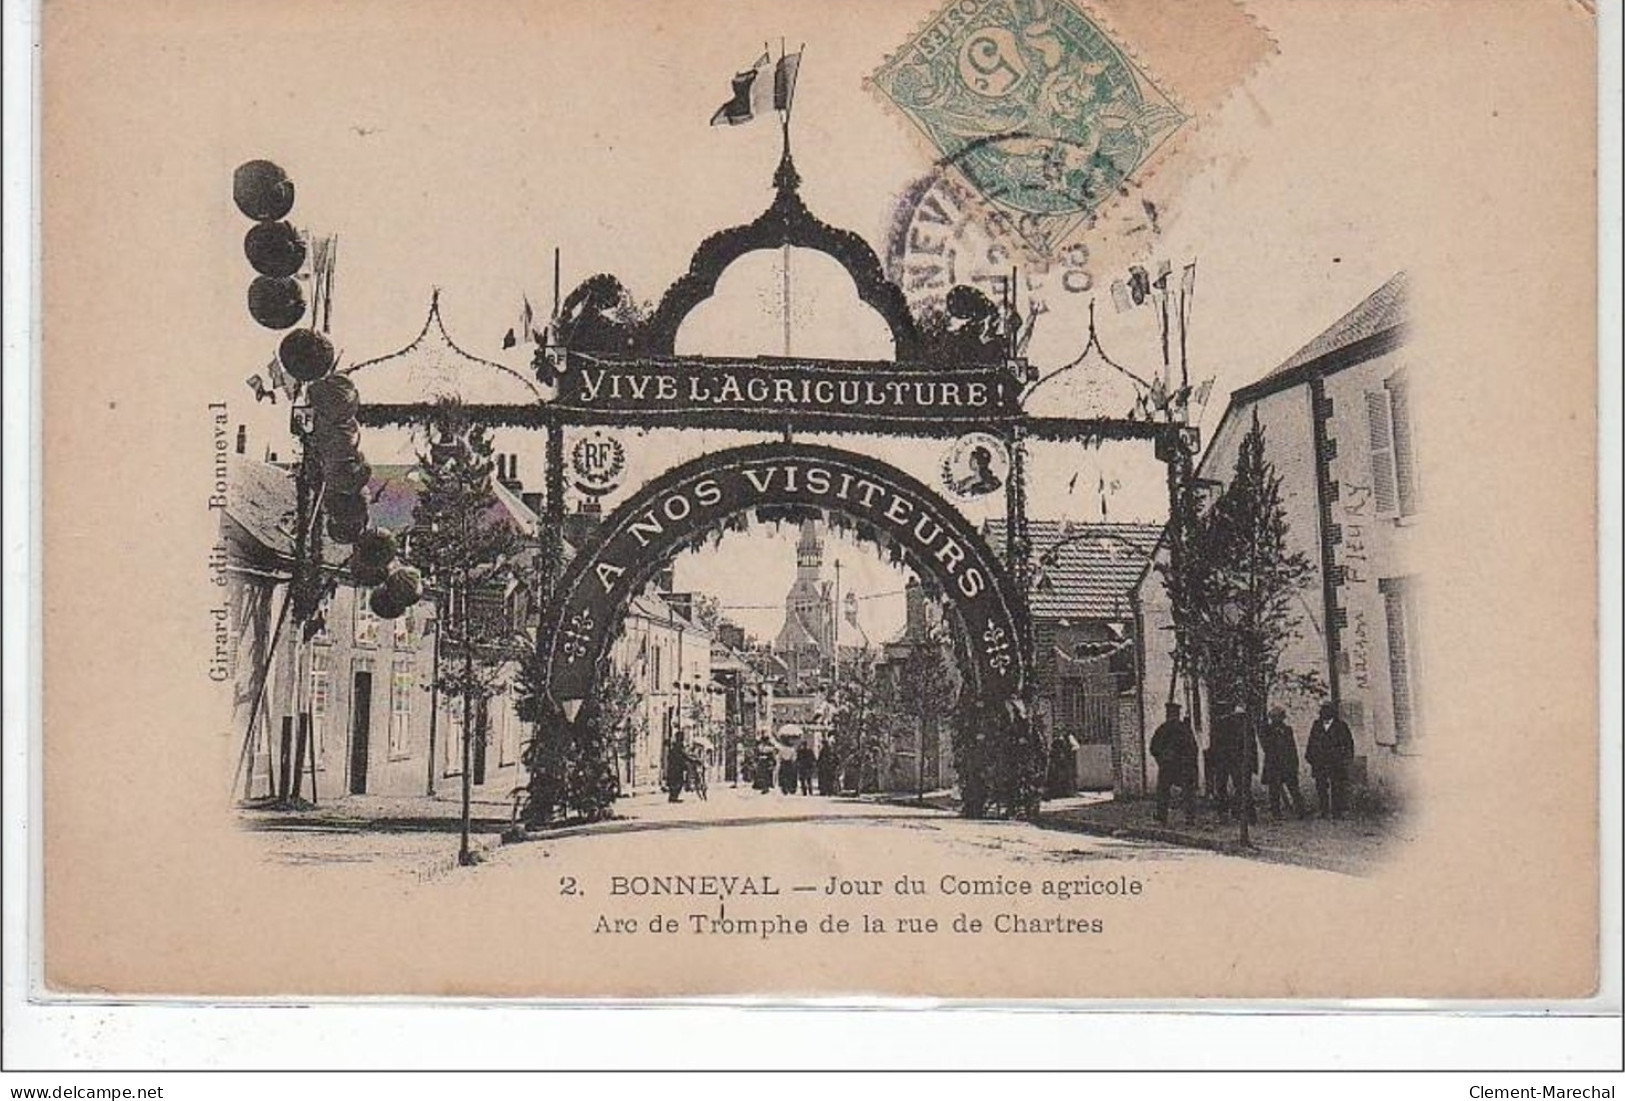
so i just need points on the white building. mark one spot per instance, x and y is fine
(1338, 430)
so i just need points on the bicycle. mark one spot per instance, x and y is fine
(696, 777)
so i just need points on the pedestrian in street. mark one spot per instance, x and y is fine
(828, 768)
(1236, 752)
(1281, 766)
(1330, 752)
(676, 770)
(787, 770)
(806, 766)
(1174, 747)
(763, 764)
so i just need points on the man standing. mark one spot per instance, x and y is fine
(1281, 766)
(1235, 752)
(676, 770)
(763, 764)
(806, 767)
(1330, 752)
(1174, 747)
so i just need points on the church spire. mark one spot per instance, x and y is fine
(810, 550)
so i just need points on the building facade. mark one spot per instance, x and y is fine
(1087, 638)
(1338, 431)
(352, 709)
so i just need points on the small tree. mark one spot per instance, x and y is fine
(1240, 590)
(926, 686)
(621, 713)
(463, 545)
(862, 720)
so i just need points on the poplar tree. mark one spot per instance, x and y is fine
(1241, 592)
(464, 545)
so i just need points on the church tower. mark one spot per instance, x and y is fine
(807, 638)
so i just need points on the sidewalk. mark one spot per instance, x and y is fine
(383, 814)
(1351, 846)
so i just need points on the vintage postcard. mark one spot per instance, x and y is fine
(979, 499)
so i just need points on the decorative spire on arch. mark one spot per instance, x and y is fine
(786, 222)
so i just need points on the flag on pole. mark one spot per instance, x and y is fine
(1139, 285)
(852, 609)
(1120, 296)
(784, 80)
(1200, 397)
(1164, 270)
(1156, 399)
(1187, 280)
(280, 378)
(751, 95)
(525, 330)
(261, 392)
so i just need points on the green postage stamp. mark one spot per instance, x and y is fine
(1044, 114)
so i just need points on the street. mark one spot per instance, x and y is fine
(765, 892)
(418, 838)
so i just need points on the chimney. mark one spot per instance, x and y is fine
(508, 473)
(682, 603)
(580, 525)
(242, 439)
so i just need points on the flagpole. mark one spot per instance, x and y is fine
(1184, 320)
(784, 260)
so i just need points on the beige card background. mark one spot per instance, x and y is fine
(457, 144)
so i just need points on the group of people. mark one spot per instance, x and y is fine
(1232, 760)
(797, 768)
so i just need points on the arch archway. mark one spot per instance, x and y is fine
(885, 505)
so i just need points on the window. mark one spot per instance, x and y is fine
(1393, 468)
(403, 630)
(1379, 424)
(1399, 406)
(402, 683)
(1398, 597)
(320, 702)
(366, 624)
(503, 733)
(453, 726)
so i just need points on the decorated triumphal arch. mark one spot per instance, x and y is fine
(953, 373)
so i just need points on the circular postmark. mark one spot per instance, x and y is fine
(943, 234)
(975, 465)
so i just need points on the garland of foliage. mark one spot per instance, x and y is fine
(999, 758)
(571, 777)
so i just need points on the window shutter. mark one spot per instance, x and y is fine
(1382, 451)
(1404, 466)
(1400, 673)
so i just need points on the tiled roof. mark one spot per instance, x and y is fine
(1096, 565)
(1384, 309)
(260, 500)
